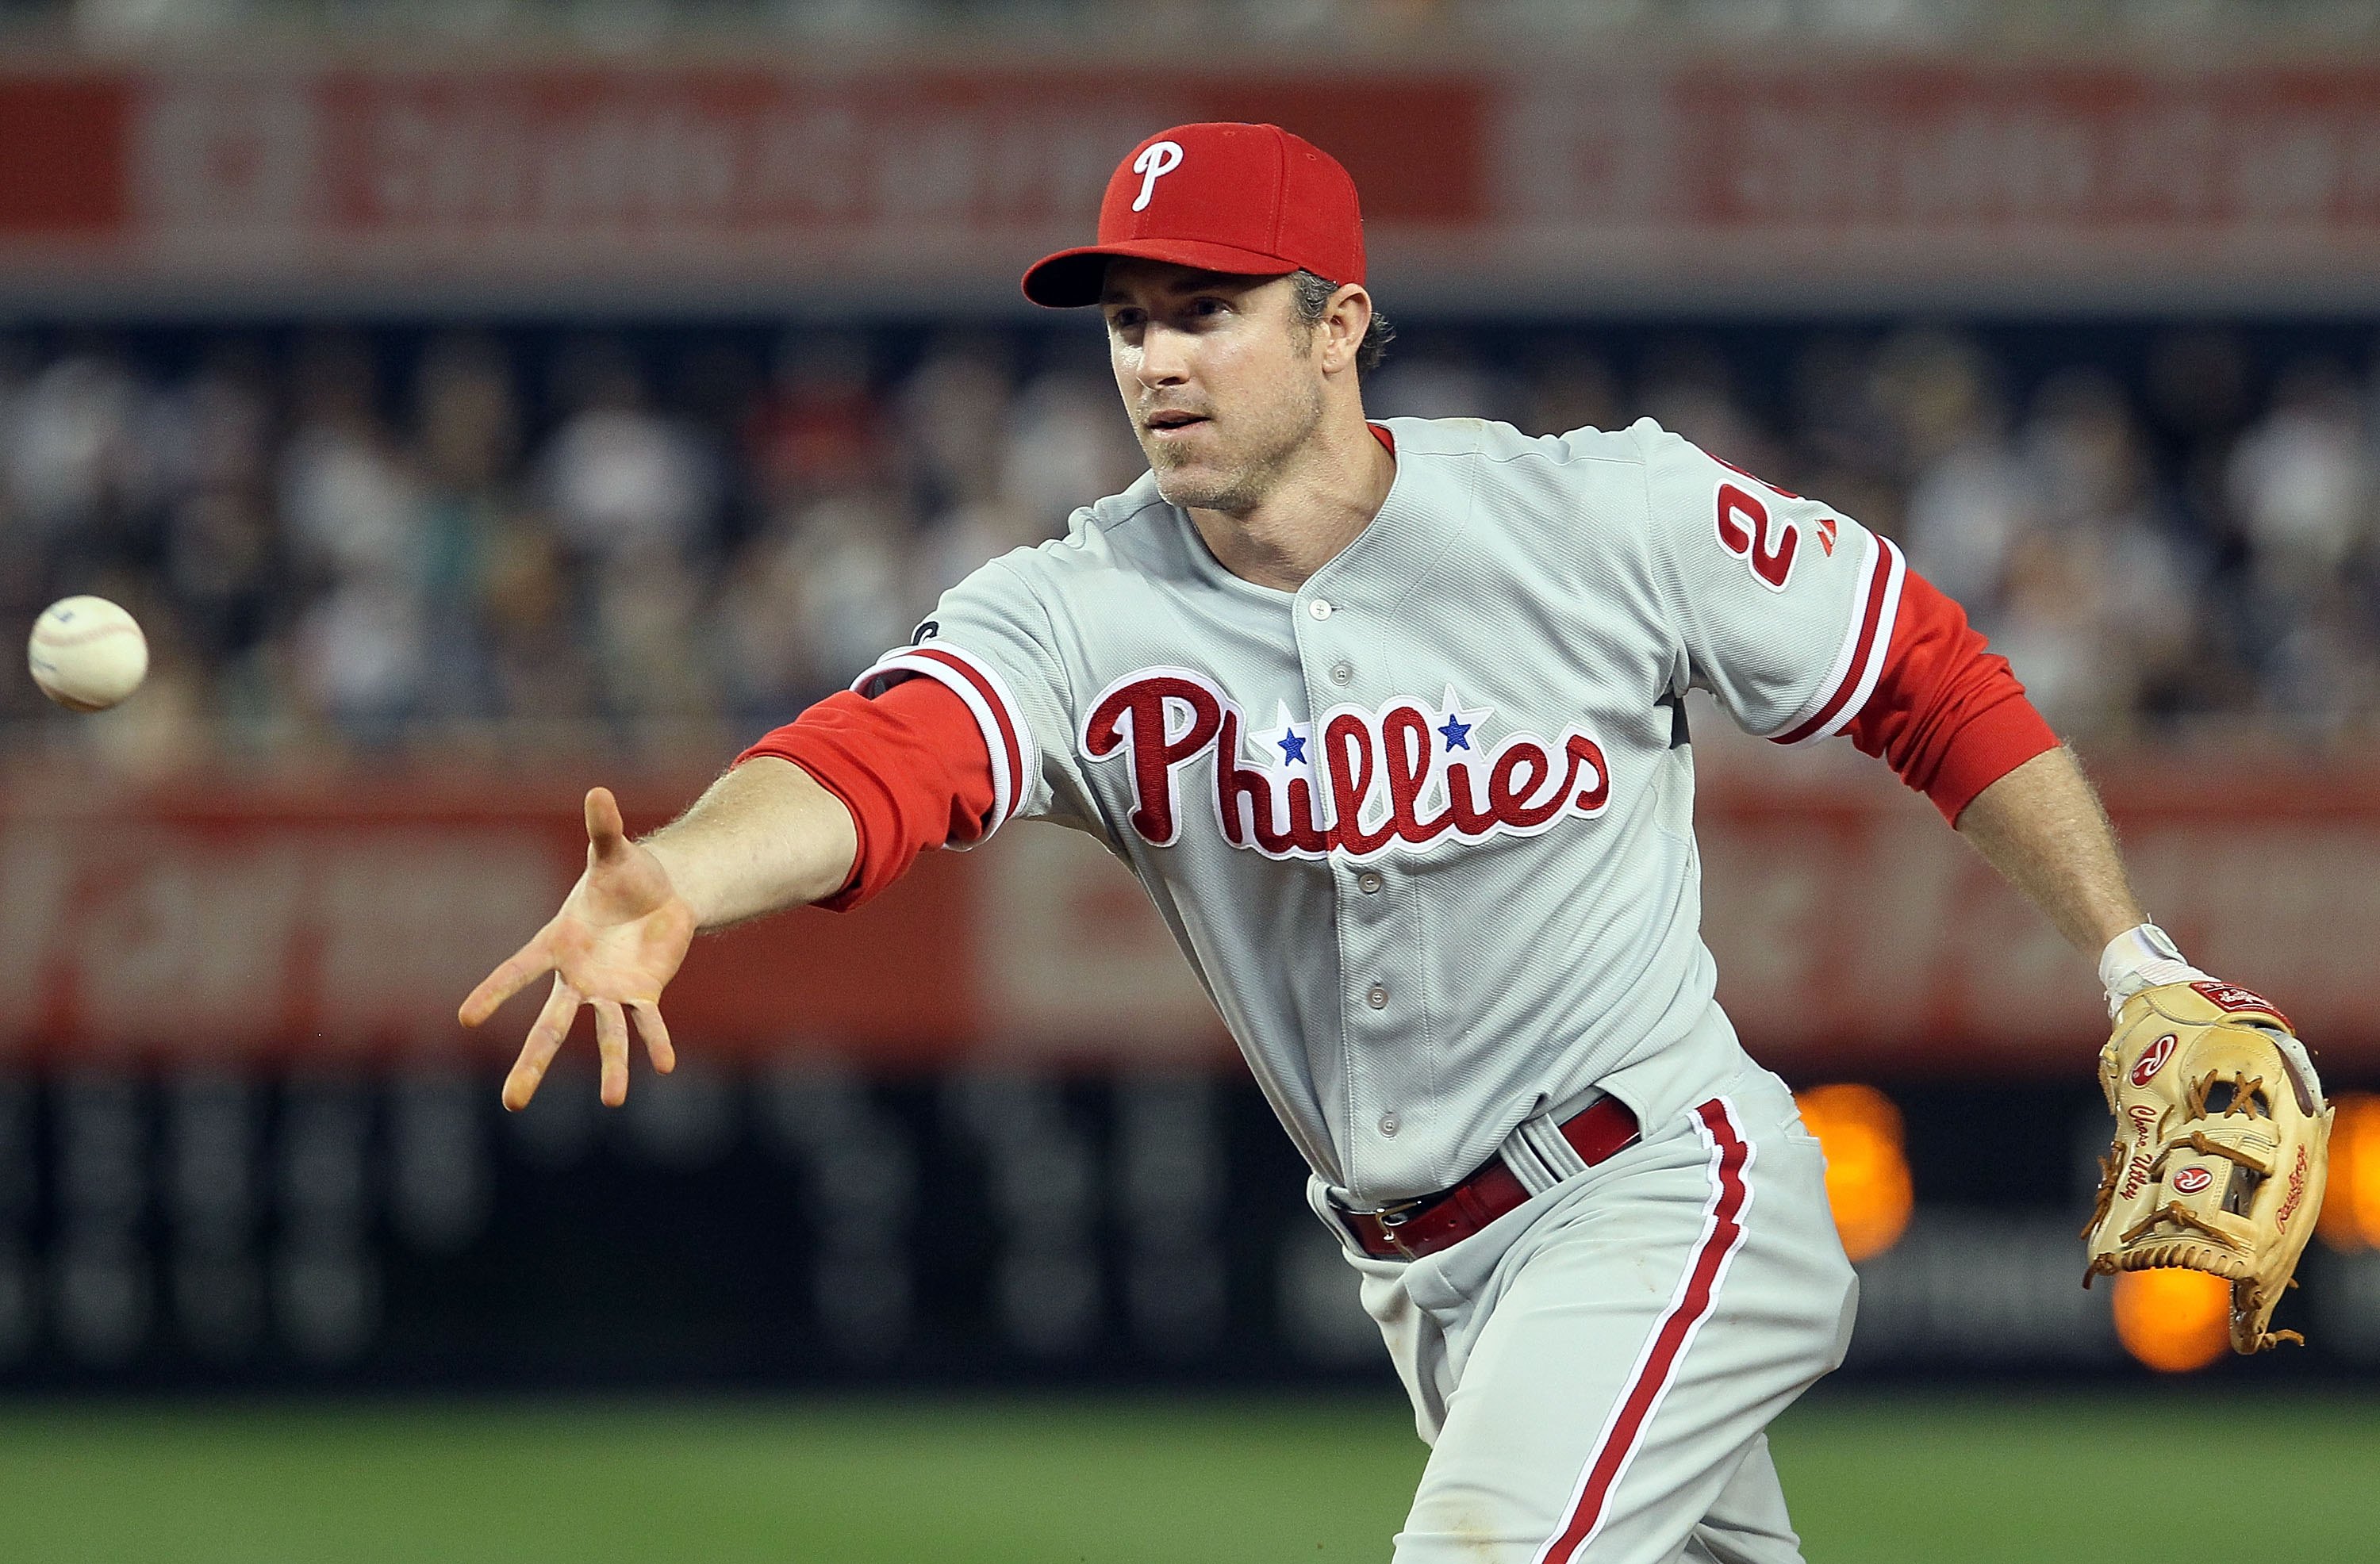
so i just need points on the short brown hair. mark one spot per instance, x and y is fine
(1312, 302)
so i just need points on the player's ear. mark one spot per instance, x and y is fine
(1343, 325)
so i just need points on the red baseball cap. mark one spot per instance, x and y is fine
(1250, 199)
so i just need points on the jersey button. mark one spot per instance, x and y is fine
(1341, 672)
(1369, 883)
(1377, 999)
(1388, 1125)
(1320, 608)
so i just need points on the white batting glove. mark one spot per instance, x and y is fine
(2145, 956)
(2140, 957)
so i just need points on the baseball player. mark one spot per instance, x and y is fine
(1387, 719)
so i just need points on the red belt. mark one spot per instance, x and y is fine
(1429, 1223)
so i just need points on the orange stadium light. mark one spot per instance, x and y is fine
(2174, 1321)
(1867, 1173)
(2351, 1206)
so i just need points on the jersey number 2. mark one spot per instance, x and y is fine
(1745, 530)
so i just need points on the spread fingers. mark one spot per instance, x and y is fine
(509, 978)
(607, 836)
(655, 1032)
(544, 1040)
(612, 1048)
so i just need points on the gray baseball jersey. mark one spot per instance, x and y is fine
(1424, 826)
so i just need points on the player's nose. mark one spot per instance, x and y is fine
(1164, 358)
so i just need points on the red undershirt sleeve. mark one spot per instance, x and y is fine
(1946, 713)
(909, 764)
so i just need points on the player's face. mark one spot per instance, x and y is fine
(1223, 383)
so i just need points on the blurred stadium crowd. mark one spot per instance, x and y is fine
(341, 542)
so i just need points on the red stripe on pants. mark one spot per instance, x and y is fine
(1730, 1153)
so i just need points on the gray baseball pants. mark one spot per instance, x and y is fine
(1593, 1372)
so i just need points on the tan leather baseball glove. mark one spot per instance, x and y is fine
(2222, 1141)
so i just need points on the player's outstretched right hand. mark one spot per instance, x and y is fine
(615, 945)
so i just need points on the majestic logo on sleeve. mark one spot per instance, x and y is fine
(1358, 780)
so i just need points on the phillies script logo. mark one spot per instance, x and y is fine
(2145, 1068)
(2297, 1193)
(2191, 1179)
(1353, 781)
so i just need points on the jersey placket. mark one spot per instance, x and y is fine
(1374, 1002)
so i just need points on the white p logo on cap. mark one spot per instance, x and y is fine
(1156, 160)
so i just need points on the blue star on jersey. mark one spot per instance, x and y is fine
(1456, 729)
(1284, 746)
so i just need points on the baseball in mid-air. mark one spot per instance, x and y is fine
(87, 653)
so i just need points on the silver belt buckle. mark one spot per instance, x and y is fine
(1392, 1217)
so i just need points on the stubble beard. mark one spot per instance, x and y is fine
(1247, 478)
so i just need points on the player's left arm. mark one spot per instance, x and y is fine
(2042, 827)
(1804, 624)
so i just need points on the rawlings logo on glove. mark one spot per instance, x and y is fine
(2222, 1139)
(2150, 1063)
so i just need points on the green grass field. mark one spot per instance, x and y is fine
(1935, 1481)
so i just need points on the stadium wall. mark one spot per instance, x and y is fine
(1856, 181)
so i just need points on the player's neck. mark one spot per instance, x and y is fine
(1323, 502)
